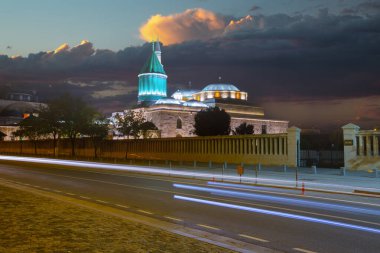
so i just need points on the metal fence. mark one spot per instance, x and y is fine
(322, 158)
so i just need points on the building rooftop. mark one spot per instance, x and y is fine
(167, 101)
(153, 65)
(220, 87)
(195, 103)
(185, 93)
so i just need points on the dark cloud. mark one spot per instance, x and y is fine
(364, 8)
(276, 58)
(370, 6)
(255, 8)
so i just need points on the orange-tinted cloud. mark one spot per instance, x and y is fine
(61, 48)
(246, 22)
(192, 24)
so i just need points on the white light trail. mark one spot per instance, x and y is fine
(282, 200)
(280, 214)
(190, 174)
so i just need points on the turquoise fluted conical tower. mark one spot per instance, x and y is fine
(152, 78)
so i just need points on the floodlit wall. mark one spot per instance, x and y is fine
(270, 149)
(361, 148)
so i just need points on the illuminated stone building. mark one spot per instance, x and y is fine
(174, 116)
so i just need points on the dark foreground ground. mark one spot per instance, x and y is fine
(33, 223)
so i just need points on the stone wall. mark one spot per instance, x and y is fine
(166, 121)
(273, 126)
(268, 149)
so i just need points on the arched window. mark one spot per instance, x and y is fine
(179, 123)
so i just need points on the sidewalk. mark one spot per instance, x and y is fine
(323, 180)
(319, 179)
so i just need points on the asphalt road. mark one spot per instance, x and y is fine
(273, 218)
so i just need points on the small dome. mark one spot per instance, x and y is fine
(195, 103)
(185, 93)
(220, 87)
(168, 101)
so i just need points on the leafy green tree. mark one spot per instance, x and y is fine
(129, 123)
(74, 115)
(52, 125)
(2, 136)
(31, 128)
(146, 126)
(244, 129)
(211, 122)
(97, 131)
(20, 134)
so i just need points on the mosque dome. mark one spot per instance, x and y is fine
(194, 103)
(184, 94)
(220, 87)
(220, 91)
(167, 101)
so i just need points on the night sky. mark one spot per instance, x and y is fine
(315, 63)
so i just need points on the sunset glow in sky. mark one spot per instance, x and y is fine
(315, 63)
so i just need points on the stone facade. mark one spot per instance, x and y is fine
(178, 121)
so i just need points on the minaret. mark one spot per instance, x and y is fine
(152, 78)
(157, 50)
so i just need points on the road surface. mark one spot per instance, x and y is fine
(279, 219)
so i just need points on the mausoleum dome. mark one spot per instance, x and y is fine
(184, 95)
(220, 87)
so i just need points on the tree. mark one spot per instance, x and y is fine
(52, 124)
(73, 116)
(212, 121)
(2, 136)
(97, 131)
(30, 128)
(146, 126)
(244, 129)
(129, 123)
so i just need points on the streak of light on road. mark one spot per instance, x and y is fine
(173, 172)
(280, 214)
(282, 200)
